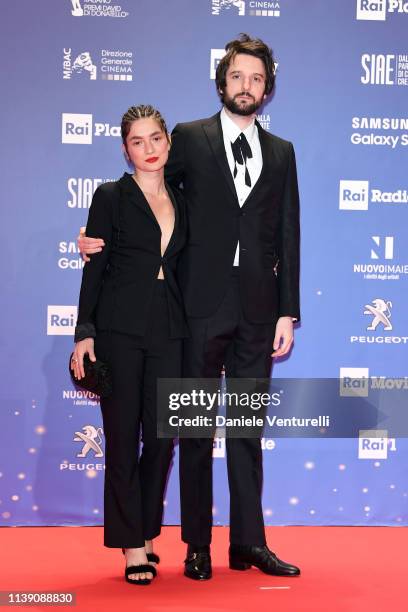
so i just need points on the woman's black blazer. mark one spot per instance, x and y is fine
(118, 283)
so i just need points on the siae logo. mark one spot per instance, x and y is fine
(61, 320)
(81, 191)
(378, 69)
(390, 69)
(353, 195)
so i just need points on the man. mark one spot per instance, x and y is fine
(240, 280)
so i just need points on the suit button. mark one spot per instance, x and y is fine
(243, 250)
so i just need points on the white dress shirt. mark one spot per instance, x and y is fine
(230, 132)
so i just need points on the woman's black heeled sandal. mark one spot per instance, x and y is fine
(140, 569)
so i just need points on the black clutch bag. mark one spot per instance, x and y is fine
(98, 377)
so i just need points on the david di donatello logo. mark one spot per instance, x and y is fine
(377, 10)
(242, 8)
(97, 8)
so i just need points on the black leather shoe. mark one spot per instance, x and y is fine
(197, 565)
(242, 557)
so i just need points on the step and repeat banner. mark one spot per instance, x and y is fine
(70, 70)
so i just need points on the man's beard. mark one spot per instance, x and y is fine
(244, 111)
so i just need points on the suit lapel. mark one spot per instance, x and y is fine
(263, 141)
(136, 196)
(173, 237)
(213, 132)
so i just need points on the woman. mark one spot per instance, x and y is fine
(131, 316)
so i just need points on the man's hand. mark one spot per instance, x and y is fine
(88, 246)
(77, 361)
(283, 337)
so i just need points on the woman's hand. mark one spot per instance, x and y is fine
(88, 246)
(77, 361)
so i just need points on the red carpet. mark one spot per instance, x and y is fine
(343, 569)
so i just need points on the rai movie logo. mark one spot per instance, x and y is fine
(240, 8)
(354, 382)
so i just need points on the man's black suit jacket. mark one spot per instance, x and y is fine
(118, 283)
(267, 225)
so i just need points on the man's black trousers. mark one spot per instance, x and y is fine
(134, 486)
(226, 338)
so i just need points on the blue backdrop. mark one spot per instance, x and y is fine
(70, 70)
